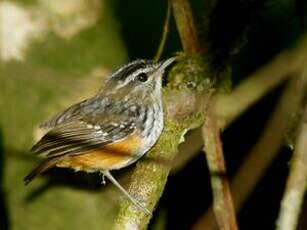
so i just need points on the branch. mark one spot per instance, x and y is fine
(185, 25)
(297, 180)
(222, 201)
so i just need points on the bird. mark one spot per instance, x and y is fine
(110, 130)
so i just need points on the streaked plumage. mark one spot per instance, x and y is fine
(111, 130)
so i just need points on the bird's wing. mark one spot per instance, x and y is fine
(79, 137)
(74, 112)
(86, 126)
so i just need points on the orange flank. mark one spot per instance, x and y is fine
(111, 156)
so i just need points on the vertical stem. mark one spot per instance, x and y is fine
(296, 183)
(185, 25)
(222, 201)
(164, 33)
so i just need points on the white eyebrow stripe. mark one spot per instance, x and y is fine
(132, 76)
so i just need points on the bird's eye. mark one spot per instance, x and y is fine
(142, 77)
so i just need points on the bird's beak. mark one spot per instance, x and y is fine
(165, 63)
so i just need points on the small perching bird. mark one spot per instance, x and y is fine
(112, 129)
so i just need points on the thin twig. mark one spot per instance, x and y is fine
(297, 181)
(222, 201)
(164, 33)
(185, 25)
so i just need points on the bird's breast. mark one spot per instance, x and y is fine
(152, 126)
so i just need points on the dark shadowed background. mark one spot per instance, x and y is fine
(59, 68)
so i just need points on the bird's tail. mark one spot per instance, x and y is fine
(44, 166)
